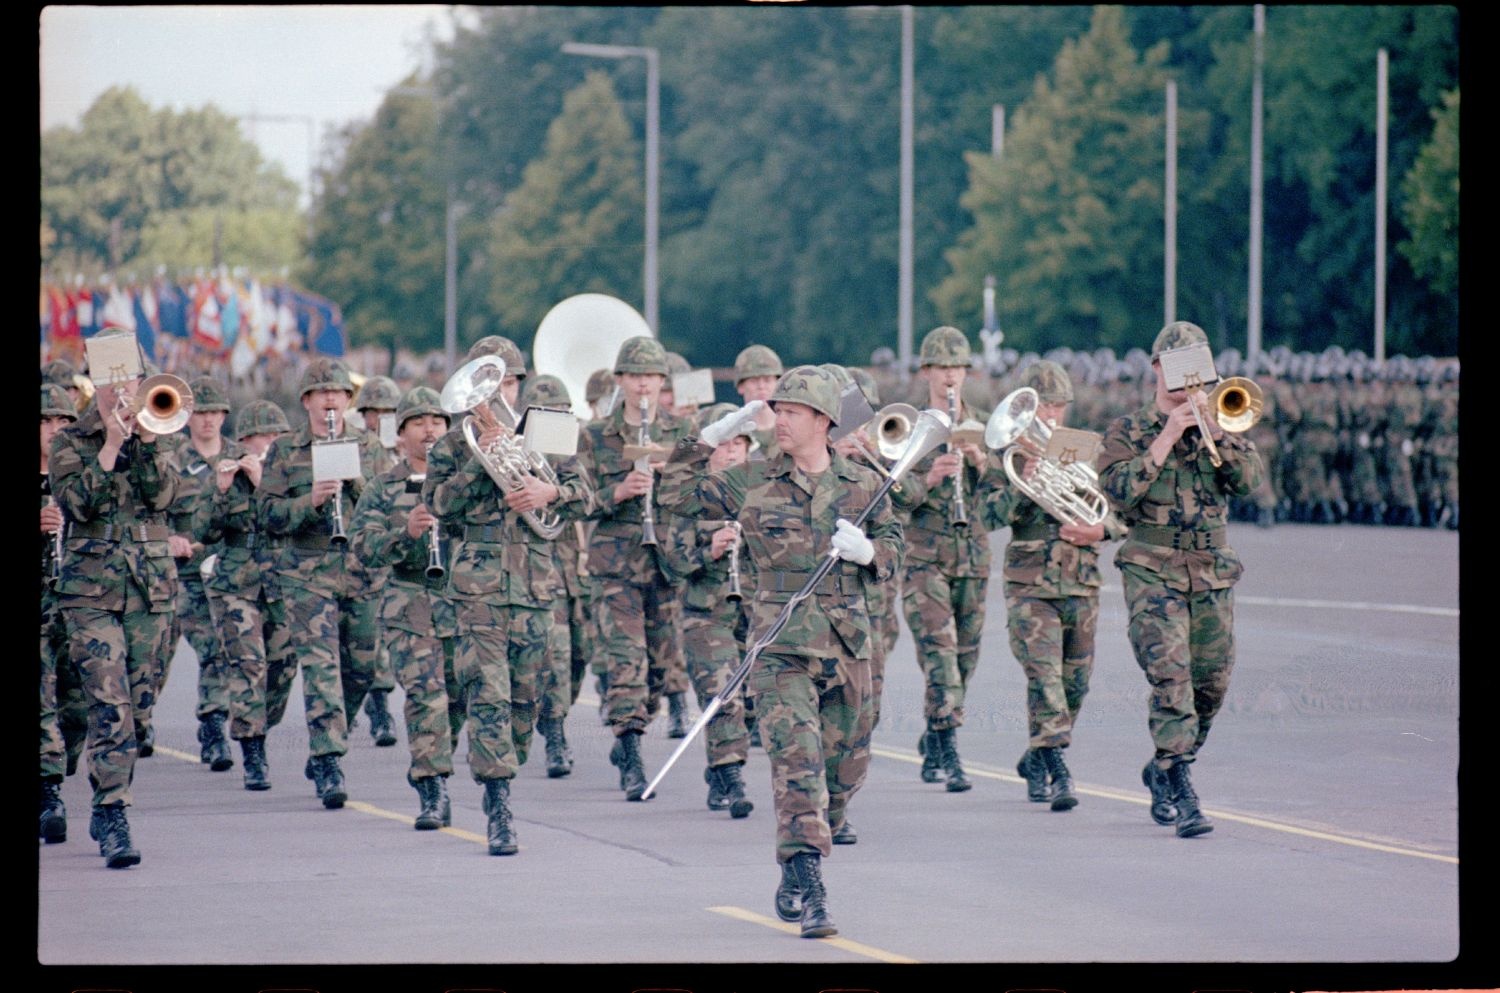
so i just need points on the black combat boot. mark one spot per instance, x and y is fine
(957, 781)
(845, 834)
(789, 894)
(1062, 780)
(328, 780)
(114, 840)
(377, 709)
(734, 788)
(718, 793)
(257, 775)
(632, 774)
(1265, 517)
(617, 759)
(1034, 771)
(430, 814)
(96, 827)
(815, 920)
(677, 715)
(146, 741)
(502, 837)
(557, 759)
(1162, 809)
(53, 826)
(215, 749)
(932, 761)
(1191, 821)
(445, 805)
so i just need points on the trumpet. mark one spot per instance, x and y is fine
(338, 537)
(960, 512)
(643, 464)
(1068, 492)
(1237, 404)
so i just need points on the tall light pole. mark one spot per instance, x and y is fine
(1257, 130)
(653, 134)
(1170, 235)
(1382, 99)
(904, 287)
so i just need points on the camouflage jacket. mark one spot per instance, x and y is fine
(788, 519)
(496, 555)
(196, 475)
(615, 549)
(688, 560)
(226, 525)
(413, 601)
(932, 539)
(48, 541)
(284, 510)
(117, 530)
(1039, 562)
(571, 548)
(1184, 502)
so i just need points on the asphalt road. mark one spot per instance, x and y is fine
(1332, 776)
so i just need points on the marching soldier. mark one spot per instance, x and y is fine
(1178, 571)
(503, 579)
(261, 664)
(638, 605)
(812, 686)
(393, 530)
(599, 392)
(376, 402)
(117, 589)
(318, 574)
(757, 370)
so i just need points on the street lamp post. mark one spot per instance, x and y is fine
(653, 135)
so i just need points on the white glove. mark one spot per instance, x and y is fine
(731, 424)
(207, 566)
(851, 544)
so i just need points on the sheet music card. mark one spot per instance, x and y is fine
(696, 387)
(1188, 368)
(550, 430)
(1069, 445)
(335, 460)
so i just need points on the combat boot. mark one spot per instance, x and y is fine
(328, 780)
(845, 834)
(1062, 781)
(1162, 809)
(96, 827)
(146, 742)
(1034, 771)
(445, 805)
(789, 894)
(815, 920)
(430, 816)
(114, 841)
(718, 792)
(617, 758)
(601, 687)
(557, 759)
(632, 774)
(501, 836)
(253, 751)
(53, 826)
(957, 781)
(676, 715)
(379, 713)
(1191, 821)
(932, 765)
(215, 748)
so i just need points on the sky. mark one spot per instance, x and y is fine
(312, 67)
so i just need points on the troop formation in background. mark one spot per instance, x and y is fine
(485, 549)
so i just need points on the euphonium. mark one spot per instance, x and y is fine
(338, 537)
(1070, 493)
(643, 464)
(960, 511)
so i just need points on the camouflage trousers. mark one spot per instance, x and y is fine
(1053, 639)
(1184, 642)
(816, 717)
(1396, 479)
(116, 654)
(260, 662)
(567, 658)
(1364, 478)
(1313, 478)
(362, 650)
(434, 710)
(714, 643)
(498, 662)
(334, 671)
(195, 621)
(64, 710)
(946, 617)
(887, 622)
(638, 636)
(1268, 492)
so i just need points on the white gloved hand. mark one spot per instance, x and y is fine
(731, 424)
(851, 544)
(207, 566)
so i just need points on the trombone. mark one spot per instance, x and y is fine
(1237, 404)
(892, 429)
(161, 404)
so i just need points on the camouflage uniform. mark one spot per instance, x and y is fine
(1366, 505)
(1314, 483)
(382, 395)
(753, 361)
(1178, 572)
(503, 579)
(117, 591)
(260, 661)
(1403, 415)
(322, 585)
(419, 620)
(883, 596)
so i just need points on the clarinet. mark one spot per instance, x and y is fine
(338, 537)
(734, 593)
(960, 512)
(57, 543)
(648, 515)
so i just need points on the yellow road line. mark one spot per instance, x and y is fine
(407, 819)
(174, 753)
(1145, 801)
(750, 917)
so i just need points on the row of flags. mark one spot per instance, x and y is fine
(228, 319)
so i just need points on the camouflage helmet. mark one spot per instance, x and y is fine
(1050, 381)
(59, 372)
(325, 373)
(56, 403)
(601, 381)
(642, 355)
(419, 400)
(1178, 334)
(378, 393)
(945, 346)
(883, 357)
(867, 384)
(260, 417)
(712, 413)
(810, 386)
(757, 360)
(208, 395)
(839, 373)
(545, 391)
(676, 364)
(502, 348)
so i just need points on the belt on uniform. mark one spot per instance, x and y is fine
(249, 539)
(494, 534)
(311, 542)
(791, 582)
(1035, 531)
(118, 532)
(1179, 539)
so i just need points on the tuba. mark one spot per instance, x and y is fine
(1070, 493)
(581, 334)
(508, 462)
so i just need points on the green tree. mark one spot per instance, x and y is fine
(1070, 220)
(1430, 209)
(575, 224)
(261, 239)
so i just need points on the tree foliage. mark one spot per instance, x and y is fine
(1431, 208)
